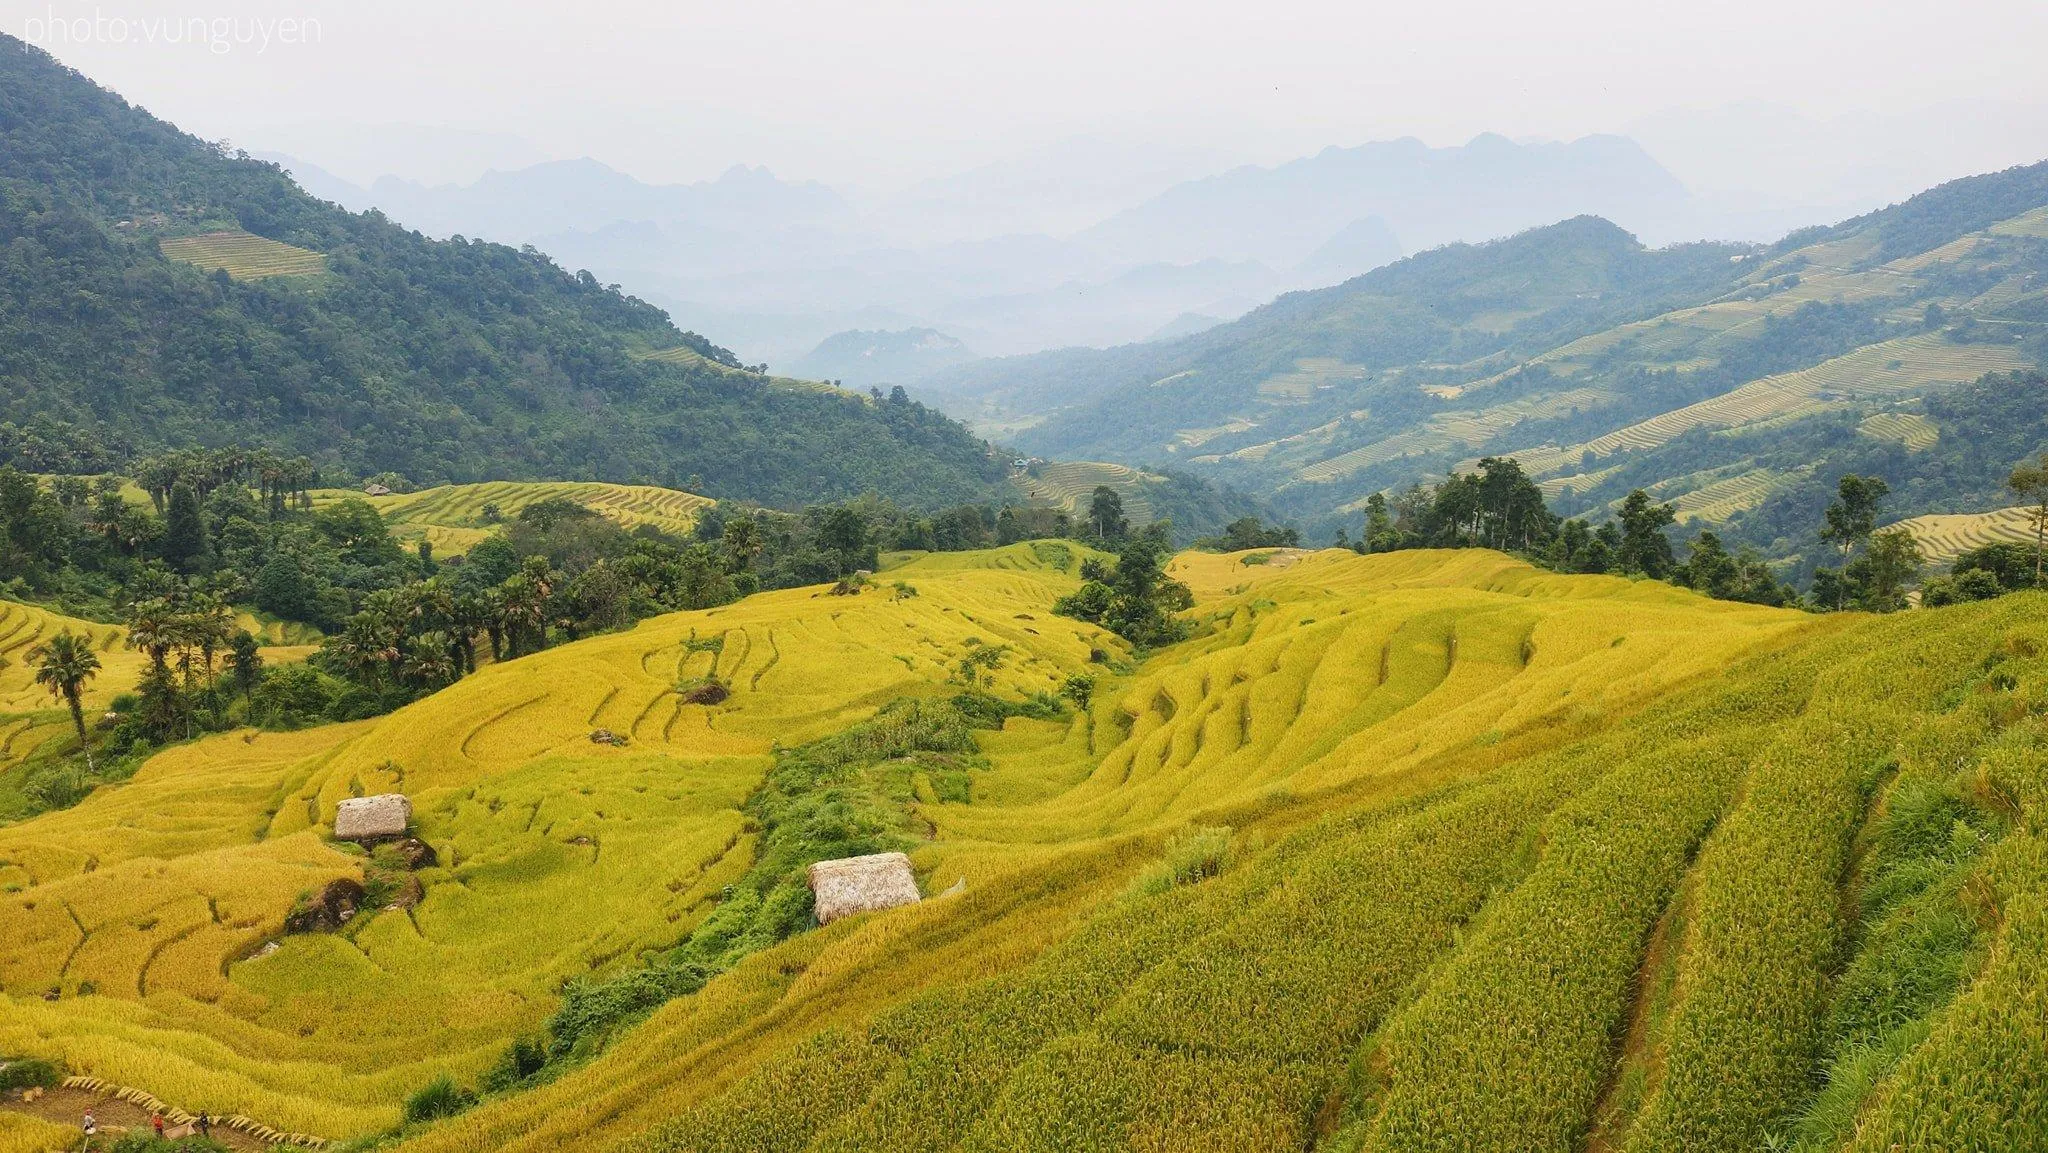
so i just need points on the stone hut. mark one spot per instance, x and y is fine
(372, 818)
(857, 884)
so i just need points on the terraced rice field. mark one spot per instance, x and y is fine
(1451, 431)
(451, 517)
(2032, 224)
(244, 255)
(23, 627)
(1944, 536)
(1311, 375)
(558, 856)
(1070, 484)
(1462, 812)
(691, 358)
(1717, 501)
(1912, 429)
(1435, 921)
(1881, 371)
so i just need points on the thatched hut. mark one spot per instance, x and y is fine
(857, 884)
(372, 818)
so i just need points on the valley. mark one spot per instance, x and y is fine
(1575, 687)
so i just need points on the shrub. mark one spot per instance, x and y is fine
(441, 1097)
(29, 1073)
(525, 1057)
(1191, 857)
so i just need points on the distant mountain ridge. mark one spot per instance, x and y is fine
(1123, 246)
(1426, 196)
(862, 359)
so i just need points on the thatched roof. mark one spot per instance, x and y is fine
(857, 884)
(372, 818)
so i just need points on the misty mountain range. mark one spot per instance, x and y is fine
(1073, 246)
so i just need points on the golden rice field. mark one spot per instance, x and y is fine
(558, 856)
(1914, 430)
(1070, 484)
(245, 256)
(23, 627)
(1451, 874)
(1505, 861)
(1944, 536)
(451, 517)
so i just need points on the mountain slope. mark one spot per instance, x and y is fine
(1570, 348)
(440, 361)
(1314, 360)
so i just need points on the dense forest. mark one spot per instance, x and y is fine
(439, 361)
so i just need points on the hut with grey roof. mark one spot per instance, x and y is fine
(852, 885)
(372, 818)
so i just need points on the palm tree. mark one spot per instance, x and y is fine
(153, 628)
(64, 663)
(742, 542)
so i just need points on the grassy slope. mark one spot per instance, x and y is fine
(1463, 792)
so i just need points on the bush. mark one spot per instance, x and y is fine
(441, 1097)
(525, 1057)
(29, 1073)
(1191, 857)
(293, 695)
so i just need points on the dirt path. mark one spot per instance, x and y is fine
(68, 1107)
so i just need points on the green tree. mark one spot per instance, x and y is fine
(1644, 548)
(1852, 516)
(64, 663)
(184, 530)
(2030, 481)
(1379, 526)
(1106, 515)
(741, 543)
(1879, 577)
(844, 534)
(245, 664)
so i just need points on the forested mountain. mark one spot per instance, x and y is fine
(157, 292)
(1718, 376)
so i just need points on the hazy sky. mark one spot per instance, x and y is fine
(882, 92)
